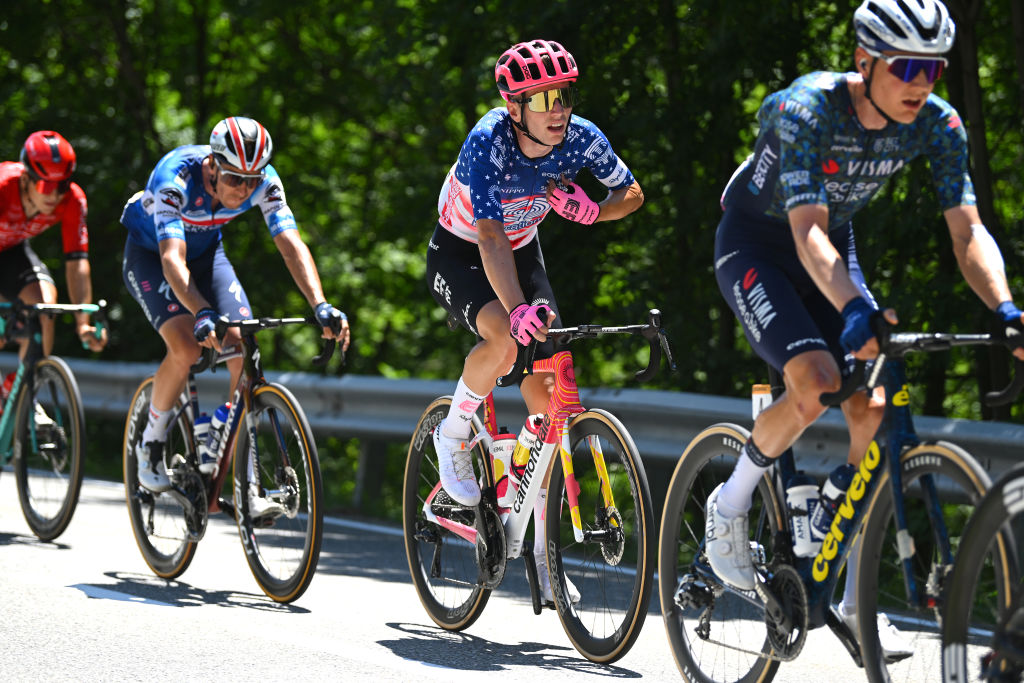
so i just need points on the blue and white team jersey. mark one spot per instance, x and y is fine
(811, 149)
(493, 179)
(175, 204)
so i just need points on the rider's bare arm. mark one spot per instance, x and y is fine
(978, 256)
(179, 277)
(79, 279)
(809, 224)
(499, 263)
(299, 261)
(621, 203)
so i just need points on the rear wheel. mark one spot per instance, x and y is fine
(48, 448)
(611, 566)
(698, 614)
(278, 495)
(158, 519)
(443, 565)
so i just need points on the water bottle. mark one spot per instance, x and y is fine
(501, 458)
(528, 439)
(760, 398)
(201, 430)
(802, 500)
(216, 429)
(832, 493)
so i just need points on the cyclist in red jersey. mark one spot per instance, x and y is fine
(36, 193)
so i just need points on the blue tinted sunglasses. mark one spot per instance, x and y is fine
(906, 68)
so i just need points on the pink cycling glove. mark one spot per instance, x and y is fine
(574, 204)
(525, 320)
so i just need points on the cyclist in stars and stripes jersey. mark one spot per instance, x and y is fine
(785, 257)
(484, 262)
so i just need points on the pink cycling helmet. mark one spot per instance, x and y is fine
(532, 64)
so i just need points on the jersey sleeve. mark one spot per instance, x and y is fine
(74, 234)
(948, 159)
(801, 134)
(483, 154)
(168, 191)
(269, 196)
(604, 164)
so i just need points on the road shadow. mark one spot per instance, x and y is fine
(28, 539)
(433, 646)
(152, 590)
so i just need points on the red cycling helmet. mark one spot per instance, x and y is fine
(532, 64)
(49, 160)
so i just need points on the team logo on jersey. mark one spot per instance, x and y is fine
(830, 167)
(172, 307)
(172, 198)
(750, 278)
(753, 305)
(245, 312)
(765, 160)
(954, 121)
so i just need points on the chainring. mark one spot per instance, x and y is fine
(491, 555)
(788, 588)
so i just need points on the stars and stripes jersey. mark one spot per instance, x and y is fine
(811, 149)
(174, 204)
(16, 227)
(493, 179)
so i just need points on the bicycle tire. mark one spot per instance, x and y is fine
(283, 547)
(974, 624)
(958, 478)
(707, 461)
(158, 520)
(452, 596)
(612, 574)
(48, 451)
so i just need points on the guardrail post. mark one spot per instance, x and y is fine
(370, 474)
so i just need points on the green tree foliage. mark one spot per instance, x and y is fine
(369, 102)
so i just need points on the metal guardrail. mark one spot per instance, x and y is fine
(661, 422)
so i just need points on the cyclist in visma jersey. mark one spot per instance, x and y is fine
(36, 194)
(784, 252)
(484, 262)
(176, 268)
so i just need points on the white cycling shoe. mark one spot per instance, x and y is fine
(727, 545)
(544, 579)
(455, 462)
(153, 478)
(263, 509)
(894, 646)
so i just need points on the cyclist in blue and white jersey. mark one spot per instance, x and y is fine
(176, 268)
(484, 262)
(785, 258)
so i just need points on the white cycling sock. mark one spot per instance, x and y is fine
(459, 422)
(157, 425)
(737, 494)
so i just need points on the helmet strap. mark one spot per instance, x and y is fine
(521, 125)
(867, 93)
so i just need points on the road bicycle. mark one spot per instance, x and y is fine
(983, 630)
(267, 439)
(908, 500)
(43, 423)
(598, 516)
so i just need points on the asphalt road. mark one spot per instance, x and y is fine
(87, 608)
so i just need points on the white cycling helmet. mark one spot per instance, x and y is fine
(241, 142)
(921, 26)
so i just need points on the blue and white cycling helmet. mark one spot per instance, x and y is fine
(241, 142)
(920, 26)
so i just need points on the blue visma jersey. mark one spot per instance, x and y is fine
(811, 149)
(175, 204)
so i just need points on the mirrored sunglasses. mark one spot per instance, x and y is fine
(906, 68)
(545, 101)
(44, 186)
(234, 178)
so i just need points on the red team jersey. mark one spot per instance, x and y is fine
(15, 227)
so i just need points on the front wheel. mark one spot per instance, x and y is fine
(941, 486)
(605, 546)
(714, 632)
(48, 448)
(278, 494)
(442, 564)
(158, 519)
(981, 627)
